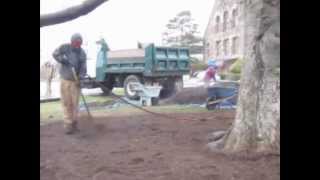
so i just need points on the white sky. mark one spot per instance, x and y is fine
(121, 22)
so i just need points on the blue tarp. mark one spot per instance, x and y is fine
(217, 93)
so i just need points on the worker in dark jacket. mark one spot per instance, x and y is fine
(70, 56)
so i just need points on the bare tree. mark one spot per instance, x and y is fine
(257, 123)
(183, 31)
(48, 71)
(70, 13)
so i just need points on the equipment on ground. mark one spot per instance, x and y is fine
(148, 94)
(223, 93)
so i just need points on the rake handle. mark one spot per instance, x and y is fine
(83, 99)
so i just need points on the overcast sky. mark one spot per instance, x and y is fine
(121, 22)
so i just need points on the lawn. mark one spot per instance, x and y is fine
(52, 111)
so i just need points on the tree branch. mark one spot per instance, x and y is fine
(70, 13)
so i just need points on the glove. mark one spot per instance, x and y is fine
(64, 59)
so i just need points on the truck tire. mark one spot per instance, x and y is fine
(171, 87)
(108, 83)
(178, 84)
(127, 89)
(106, 92)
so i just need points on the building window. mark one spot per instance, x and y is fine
(225, 21)
(217, 23)
(235, 45)
(234, 17)
(225, 47)
(208, 48)
(218, 48)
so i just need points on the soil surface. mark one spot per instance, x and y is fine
(145, 147)
(195, 95)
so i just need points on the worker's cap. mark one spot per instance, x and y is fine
(76, 37)
(211, 62)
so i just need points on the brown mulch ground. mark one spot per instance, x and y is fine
(144, 147)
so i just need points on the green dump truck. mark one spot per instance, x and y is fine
(152, 65)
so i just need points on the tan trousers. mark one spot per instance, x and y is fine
(70, 101)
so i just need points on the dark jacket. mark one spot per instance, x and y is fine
(70, 57)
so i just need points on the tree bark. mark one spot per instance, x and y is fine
(70, 13)
(257, 123)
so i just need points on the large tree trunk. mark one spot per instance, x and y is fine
(257, 123)
(70, 13)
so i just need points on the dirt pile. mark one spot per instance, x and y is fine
(192, 95)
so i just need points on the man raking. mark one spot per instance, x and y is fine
(71, 56)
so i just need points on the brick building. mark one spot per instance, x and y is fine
(223, 38)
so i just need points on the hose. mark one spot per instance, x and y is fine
(124, 100)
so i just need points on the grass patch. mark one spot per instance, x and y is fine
(166, 109)
(52, 111)
(98, 99)
(118, 91)
(236, 67)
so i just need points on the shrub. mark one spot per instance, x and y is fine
(230, 76)
(236, 66)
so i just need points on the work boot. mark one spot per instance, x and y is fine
(68, 129)
(71, 128)
(75, 126)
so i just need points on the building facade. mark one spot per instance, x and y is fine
(223, 38)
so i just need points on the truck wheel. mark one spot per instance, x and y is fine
(178, 84)
(171, 87)
(109, 86)
(128, 88)
(106, 91)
